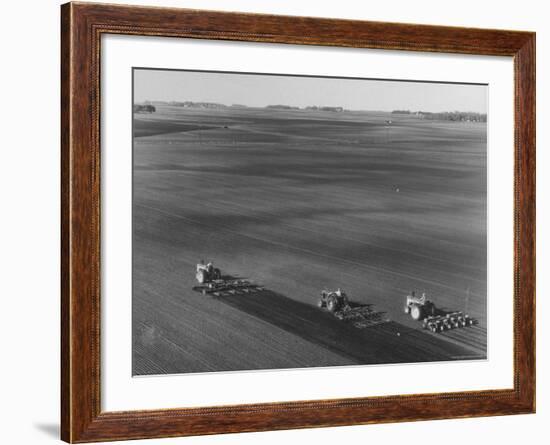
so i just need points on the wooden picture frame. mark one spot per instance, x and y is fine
(82, 25)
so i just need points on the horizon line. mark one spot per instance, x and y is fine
(303, 108)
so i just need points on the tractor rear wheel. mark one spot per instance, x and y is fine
(331, 304)
(201, 276)
(416, 312)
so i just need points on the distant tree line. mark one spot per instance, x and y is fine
(215, 105)
(191, 104)
(144, 108)
(282, 107)
(333, 109)
(456, 116)
(309, 108)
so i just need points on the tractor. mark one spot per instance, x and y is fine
(207, 273)
(333, 301)
(419, 307)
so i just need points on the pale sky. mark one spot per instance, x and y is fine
(261, 90)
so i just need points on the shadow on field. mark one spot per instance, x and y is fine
(226, 277)
(388, 342)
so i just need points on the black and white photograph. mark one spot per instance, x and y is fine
(229, 222)
(284, 221)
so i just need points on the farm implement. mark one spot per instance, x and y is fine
(361, 316)
(422, 309)
(225, 288)
(448, 321)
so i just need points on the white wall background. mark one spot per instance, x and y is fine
(29, 220)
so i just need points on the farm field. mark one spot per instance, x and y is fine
(298, 201)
